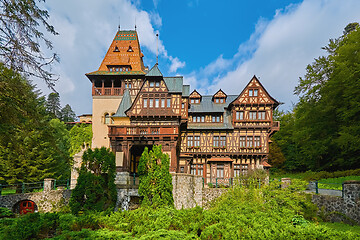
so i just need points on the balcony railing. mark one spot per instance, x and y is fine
(140, 130)
(98, 91)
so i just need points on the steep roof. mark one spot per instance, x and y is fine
(186, 90)
(174, 84)
(123, 51)
(125, 104)
(206, 105)
(154, 72)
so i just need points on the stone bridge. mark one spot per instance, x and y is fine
(45, 201)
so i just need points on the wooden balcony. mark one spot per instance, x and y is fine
(274, 127)
(118, 131)
(103, 91)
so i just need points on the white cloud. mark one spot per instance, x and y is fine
(280, 49)
(86, 30)
(175, 64)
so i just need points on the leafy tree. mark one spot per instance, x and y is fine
(95, 189)
(31, 147)
(276, 157)
(53, 105)
(155, 179)
(322, 132)
(80, 135)
(21, 39)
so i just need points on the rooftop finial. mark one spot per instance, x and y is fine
(119, 24)
(157, 49)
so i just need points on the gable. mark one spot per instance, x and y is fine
(195, 94)
(254, 93)
(220, 94)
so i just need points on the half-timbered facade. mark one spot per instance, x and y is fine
(215, 136)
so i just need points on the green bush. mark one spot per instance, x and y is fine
(242, 213)
(4, 212)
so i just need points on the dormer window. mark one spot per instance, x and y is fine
(195, 100)
(116, 49)
(219, 97)
(219, 100)
(130, 49)
(119, 68)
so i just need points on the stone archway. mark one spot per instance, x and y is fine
(25, 206)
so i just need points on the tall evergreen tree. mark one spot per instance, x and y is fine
(31, 147)
(155, 179)
(67, 114)
(53, 105)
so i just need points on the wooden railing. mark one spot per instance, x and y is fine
(98, 91)
(141, 130)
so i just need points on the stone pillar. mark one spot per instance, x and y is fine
(351, 190)
(285, 182)
(48, 184)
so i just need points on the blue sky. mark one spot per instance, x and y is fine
(213, 44)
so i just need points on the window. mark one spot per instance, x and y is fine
(244, 168)
(242, 142)
(182, 170)
(168, 101)
(249, 142)
(195, 100)
(219, 141)
(162, 102)
(196, 141)
(130, 49)
(220, 171)
(151, 84)
(261, 115)
(216, 100)
(145, 102)
(107, 118)
(200, 170)
(213, 118)
(216, 141)
(157, 84)
(252, 115)
(151, 102)
(202, 118)
(156, 102)
(255, 92)
(222, 141)
(190, 142)
(250, 93)
(193, 169)
(237, 170)
(218, 119)
(239, 115)
(257, 142)
(183, 105)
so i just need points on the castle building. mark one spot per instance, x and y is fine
(215, 136)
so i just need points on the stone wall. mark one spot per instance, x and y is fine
(187, 190)
(210, 194)
(45, 201)
(338, 209)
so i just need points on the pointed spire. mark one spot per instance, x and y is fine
(157, 49)
(119, 24)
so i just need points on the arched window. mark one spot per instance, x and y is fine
(107, 118)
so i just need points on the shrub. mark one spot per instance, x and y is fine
(155, 180)
(95, 189)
